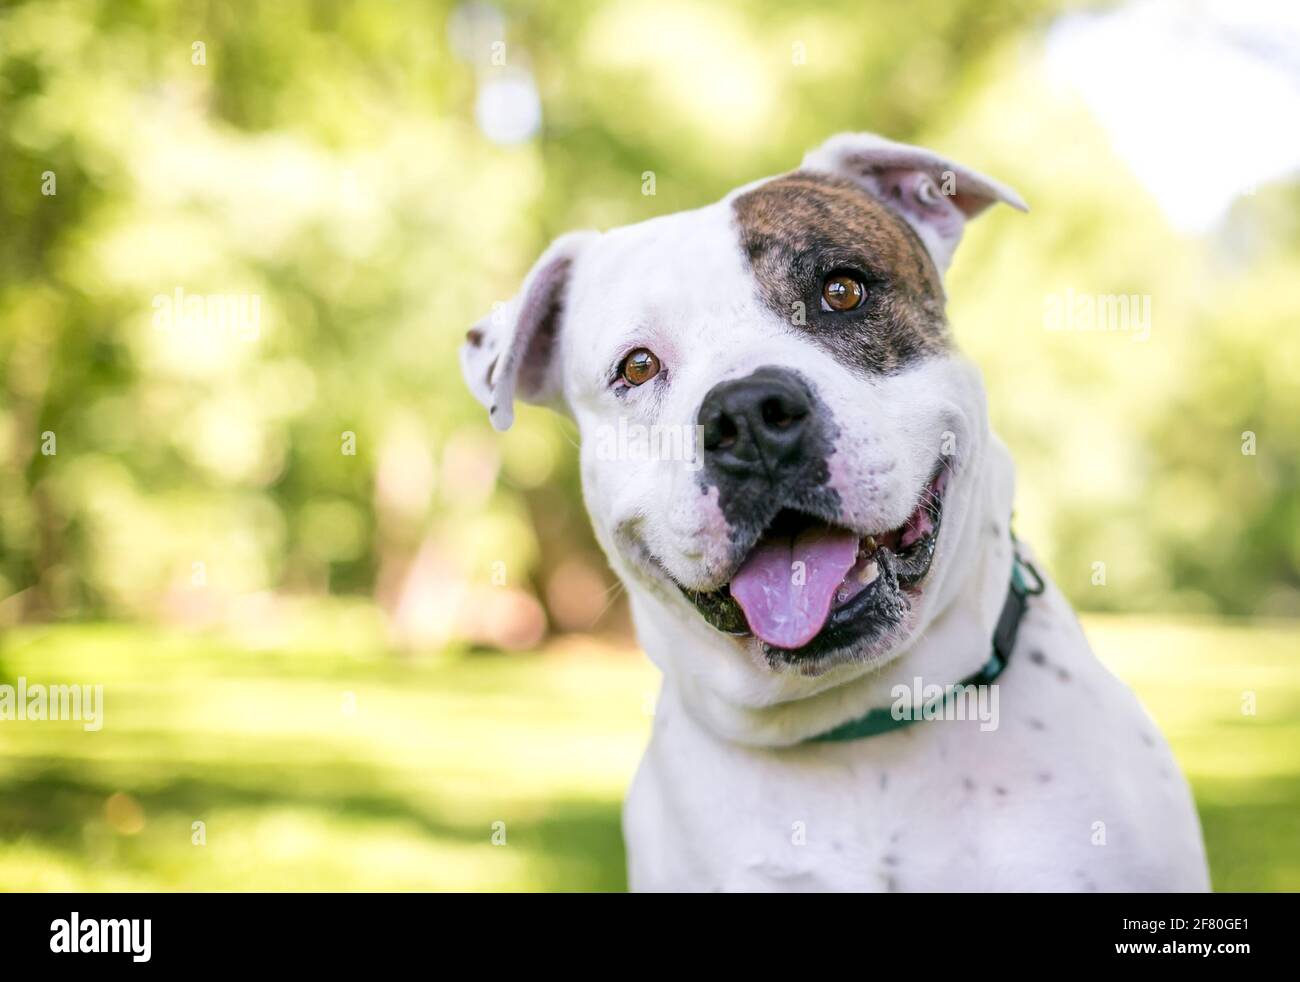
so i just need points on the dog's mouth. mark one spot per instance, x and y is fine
(807, 587)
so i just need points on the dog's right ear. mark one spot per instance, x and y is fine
(513, 350)
(934, 195)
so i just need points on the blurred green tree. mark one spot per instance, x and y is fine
(324, 158)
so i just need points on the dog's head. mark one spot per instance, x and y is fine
(777, 432)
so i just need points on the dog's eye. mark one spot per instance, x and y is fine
(640, 367)
(843, 291)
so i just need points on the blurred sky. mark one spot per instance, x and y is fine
(1201, 99)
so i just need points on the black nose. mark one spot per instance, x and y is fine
(756, 425)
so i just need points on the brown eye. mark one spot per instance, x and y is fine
(843, 291)
(640, 367)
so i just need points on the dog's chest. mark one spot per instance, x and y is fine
(848, 819)
(880, 817)
(1073, 790)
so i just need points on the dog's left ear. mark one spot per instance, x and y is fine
(936, 196)
(513, 350)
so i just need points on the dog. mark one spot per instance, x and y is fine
(828, 572)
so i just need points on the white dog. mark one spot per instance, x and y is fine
(830, 551)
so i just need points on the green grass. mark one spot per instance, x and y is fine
(1194, 677)
(315, 770)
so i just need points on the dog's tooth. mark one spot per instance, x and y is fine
(869, 573)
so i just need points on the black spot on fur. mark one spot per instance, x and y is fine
(1000, 791)
(1040, 659)
(475, 337)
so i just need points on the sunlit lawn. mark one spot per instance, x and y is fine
(314, 769)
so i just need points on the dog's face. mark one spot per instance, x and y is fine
(778, 437)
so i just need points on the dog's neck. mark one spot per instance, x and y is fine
(953, 644)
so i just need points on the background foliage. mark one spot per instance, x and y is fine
(326, 158)
(329, 158)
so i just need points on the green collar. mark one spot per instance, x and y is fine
(878, 720)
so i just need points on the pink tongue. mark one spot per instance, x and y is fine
(787, 583)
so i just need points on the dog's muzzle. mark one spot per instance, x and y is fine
(801, 581)
(756, 428)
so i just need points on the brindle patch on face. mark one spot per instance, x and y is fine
(798, 228)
